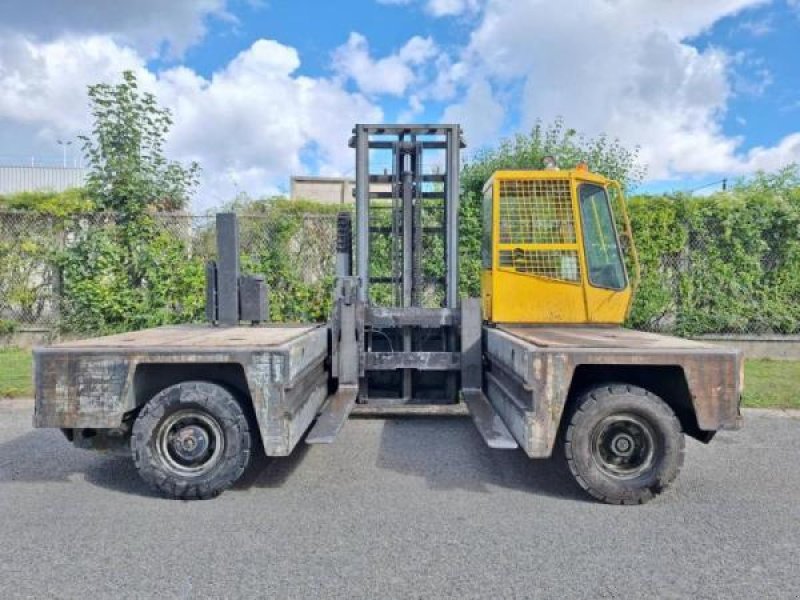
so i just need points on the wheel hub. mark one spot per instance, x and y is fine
(624, 446)
(190, 443)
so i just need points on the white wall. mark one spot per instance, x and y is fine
(33, 179)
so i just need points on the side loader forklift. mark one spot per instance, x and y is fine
(539, 361)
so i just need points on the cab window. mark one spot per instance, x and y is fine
(603, 255)
(486, 245)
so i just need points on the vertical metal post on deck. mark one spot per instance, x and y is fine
(344, 244)
(227, 269)
(362, 210)
(408, 231)
(452, 190)
(408, 259)
(418, 284)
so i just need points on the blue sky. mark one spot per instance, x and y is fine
(315, 29)
(263, 89)
(767, 80)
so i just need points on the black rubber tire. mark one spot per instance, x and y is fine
(618, 400)
(203, 398)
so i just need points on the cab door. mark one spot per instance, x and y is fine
(608, 291)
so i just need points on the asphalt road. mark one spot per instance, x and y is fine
(406, 508)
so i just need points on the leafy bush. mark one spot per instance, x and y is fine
(129, 275)
(124, 271)
(120, 275)
(724, 263)
(57, 204)
(7, 327)
(28, 276)
(129, 173)
(291, 243)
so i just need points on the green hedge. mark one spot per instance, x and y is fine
(729, 262)
(59, 204)
(119, 275)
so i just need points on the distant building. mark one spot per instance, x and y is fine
(328, 190)
(38, 179)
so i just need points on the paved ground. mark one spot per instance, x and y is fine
(411, 508)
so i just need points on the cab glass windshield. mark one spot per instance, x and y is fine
(486, 244)
(603, 256)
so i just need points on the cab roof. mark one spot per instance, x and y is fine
(545, 174)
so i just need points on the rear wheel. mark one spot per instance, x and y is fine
(191, 440)
(623, 444)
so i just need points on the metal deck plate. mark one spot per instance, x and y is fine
(597, 337)
(194, 337)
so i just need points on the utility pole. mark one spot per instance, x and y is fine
(64, 145)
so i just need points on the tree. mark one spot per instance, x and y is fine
(129, 173)
(129, 270)
(526, 151)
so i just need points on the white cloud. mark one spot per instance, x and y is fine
(450, 76)
(450, 8)
(250, 125)
(443, 8)
(749, 74)
(479, 113)
(415, 108)
(45, 83)
(392, 74)
(143, 24)
(767, 159)
(757, 27)
(623, 68)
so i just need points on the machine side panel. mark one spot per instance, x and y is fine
(94, 387)
(531, 384)
(74, 390)
(285, 413)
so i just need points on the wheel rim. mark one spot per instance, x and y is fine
(624, 446)
(190, 443)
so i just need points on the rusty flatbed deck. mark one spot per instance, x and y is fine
(191, 337)
(531, 370)
(94, 383)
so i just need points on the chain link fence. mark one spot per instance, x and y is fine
(298, 251)
(29, 278)
(682, 291)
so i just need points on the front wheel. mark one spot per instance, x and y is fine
(623, 444)
(191, 440)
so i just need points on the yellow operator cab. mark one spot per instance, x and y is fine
(552, 250)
